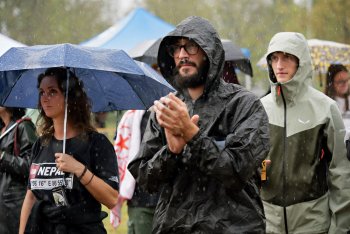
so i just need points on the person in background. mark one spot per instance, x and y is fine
(16, 140)
(229, 74)
(338, 86)
(100, 119)
(204, 145)
(66, 190)
(307, 189)
(141, 205)
(338, 89)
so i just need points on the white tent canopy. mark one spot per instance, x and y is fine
(6, 43)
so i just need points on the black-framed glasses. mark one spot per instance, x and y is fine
(190, 47)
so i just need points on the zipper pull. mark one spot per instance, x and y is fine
(278, 90)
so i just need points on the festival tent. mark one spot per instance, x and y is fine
(138, 26)
(6, 43)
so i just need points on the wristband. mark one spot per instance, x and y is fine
(90, 180)
(82, 174)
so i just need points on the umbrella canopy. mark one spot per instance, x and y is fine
(147, 52)
(150, 72)
(112, 80)
(234, 55)
(323, 54)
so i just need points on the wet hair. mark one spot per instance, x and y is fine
(333, 70)
(16, 114)
(79, 106)
(285, 53)
(269, 66)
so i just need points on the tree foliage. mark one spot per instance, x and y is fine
(252, 23)
(51, 21)
(248, 23)
(330, 20)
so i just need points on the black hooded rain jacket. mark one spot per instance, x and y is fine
(213, 185)
(14, 172)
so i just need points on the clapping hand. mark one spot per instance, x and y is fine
(172, 114)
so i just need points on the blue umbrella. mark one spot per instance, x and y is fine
(112, 80)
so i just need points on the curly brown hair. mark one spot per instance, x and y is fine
(79, 106)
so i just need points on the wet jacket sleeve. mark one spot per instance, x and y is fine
(154, 164)
(19, 165)
(244, 148)
(339, 175)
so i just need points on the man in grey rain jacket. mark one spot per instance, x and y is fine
(203, 146)
(308, 182)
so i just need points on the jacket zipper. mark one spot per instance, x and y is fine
(284, 179)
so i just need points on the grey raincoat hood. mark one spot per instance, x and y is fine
(213, 185)
(295, 44)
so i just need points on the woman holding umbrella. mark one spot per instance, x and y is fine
(16, 140)
(66, 190)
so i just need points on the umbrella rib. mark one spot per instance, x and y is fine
(9, 92)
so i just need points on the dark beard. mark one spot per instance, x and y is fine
(191, 81)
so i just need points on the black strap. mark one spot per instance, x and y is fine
(16, 147)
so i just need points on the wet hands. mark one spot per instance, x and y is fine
(172, 115)
(67, 163)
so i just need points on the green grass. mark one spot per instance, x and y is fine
(122, 228)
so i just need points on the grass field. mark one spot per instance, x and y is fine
(109, 131)
(122, 229)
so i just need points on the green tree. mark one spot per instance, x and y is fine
(331, 20)
(51, 21)
(249, 23)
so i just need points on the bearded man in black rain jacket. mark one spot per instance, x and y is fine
(204, 145)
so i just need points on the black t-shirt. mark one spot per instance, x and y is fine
(93, 150)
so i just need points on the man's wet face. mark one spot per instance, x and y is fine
(190, 61)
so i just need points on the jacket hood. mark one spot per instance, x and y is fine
(295, 44)
(204, 34)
